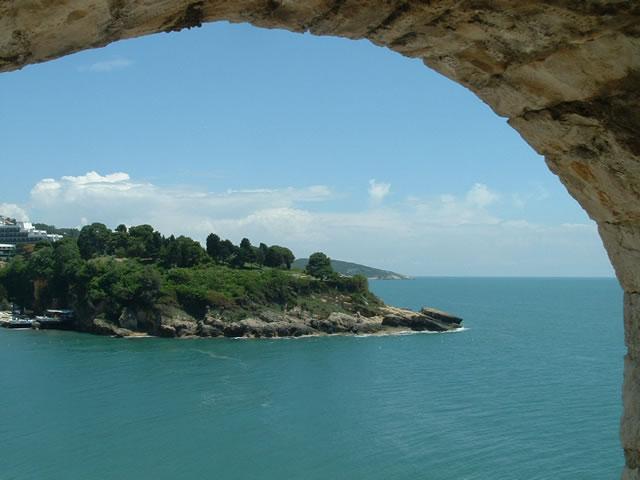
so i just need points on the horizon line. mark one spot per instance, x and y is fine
(613, 277)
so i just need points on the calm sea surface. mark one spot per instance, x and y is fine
(531, 390)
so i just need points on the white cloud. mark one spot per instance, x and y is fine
(116, 198)
(439, 234)
(117, 63)
(378, 190)
(95, 177)
(480, 196)
(13, 211)
(46, 190)
(450, 210)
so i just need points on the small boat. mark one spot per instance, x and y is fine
(16, 322)
(55, 319)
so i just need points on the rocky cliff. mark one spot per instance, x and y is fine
(168, 321)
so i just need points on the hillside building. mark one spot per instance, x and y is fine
(14, 233)
(7, 251)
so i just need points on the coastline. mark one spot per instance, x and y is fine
(385, 333)
(295, 323)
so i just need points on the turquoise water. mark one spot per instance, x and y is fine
(530, 391)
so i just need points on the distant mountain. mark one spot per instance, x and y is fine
(350, 269)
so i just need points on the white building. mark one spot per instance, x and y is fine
(14, 233)
(7, 251)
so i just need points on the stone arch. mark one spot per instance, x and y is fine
(565, 73)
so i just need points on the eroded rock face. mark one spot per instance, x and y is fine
(427, 319)
(566, 73)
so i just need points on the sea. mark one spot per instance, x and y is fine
(530, 389)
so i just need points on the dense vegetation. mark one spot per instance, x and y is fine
(351, 269)
(103, 271)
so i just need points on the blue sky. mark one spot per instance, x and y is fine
(317, 143)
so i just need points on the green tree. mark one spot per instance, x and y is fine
(17, 282)
(319, 266)
(278, 257)
(112, 285)
(144, 242)
(189, 252)
(287, 256)
(40, 270)
(261, 253)
(228, 251)
(94, 240)
(67, 266)
(169, 252)
(273, 258)
(356, 284)
(41, 263)
(214, 247)
(4, 295)
(137, 286)
(120, 241)
(246, 253)
(97, 278)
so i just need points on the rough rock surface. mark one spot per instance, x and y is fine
(299, 323)
(565, 73)
(428, 319)
(269, 324)
(103, 327)
(128, 319)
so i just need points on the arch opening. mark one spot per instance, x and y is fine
(565, 76)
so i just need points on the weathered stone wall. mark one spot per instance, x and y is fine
(566, 73)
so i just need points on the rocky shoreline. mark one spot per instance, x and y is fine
(269, 324)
